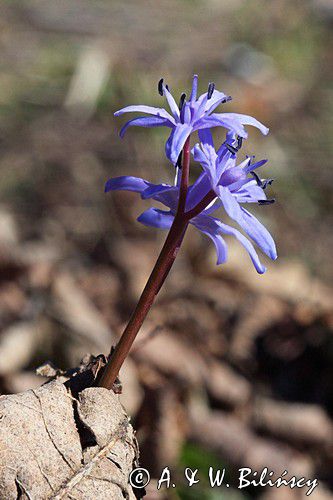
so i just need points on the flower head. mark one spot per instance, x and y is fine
(232, 186)
(197, 113)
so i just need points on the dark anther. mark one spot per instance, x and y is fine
(267, 182)
(234, 149)
(181, 101)
(167, 87)
(210, 90)
(257, 178)
(231, 148)
(266, 202)
(262, 183)
(160, 87)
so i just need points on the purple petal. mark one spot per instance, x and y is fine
(177, 140)
(209, 150)
(214, 226)
(245, 120)
(172, 103)
(168, 195)
(210, 228)
(169, 198)
(145, 121)
(248, 223)
(126, 183)
(258, 233)
(155, 189)
(223, 150)
(213, 206)
(155, 217)
(246, 244)
(186, 116)
(197, 191)
(230, 204)
(253, 166)
(209, 167)
(206, 137)
(215, 120)
(140, 108)
(216, 99)
(250, 193)
(194, 89)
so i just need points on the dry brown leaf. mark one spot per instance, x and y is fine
(172, 356)
(17, 345)
(56, 447)
(238, 445)
(295, 422)
(225, 385)
(79, 314)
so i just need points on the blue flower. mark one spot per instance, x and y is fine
(230, 184)
(233, 187)
(189, 116)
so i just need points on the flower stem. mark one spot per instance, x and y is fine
(158, 275)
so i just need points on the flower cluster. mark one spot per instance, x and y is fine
(222, 183)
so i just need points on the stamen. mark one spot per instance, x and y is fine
(211, 88)
(239, 142)
(257, 178)
(181, 101)
(267, 182)
(160, 87)
(266, 202)
(231, 148)
(167, 87)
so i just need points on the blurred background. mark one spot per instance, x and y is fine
(231, 369)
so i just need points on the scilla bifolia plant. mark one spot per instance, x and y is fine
(223, 182)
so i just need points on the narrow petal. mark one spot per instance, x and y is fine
(245, 120)
(206, 137)
(194, 92)
(206, 163)
(177, 140)
(213, 206)
(155, 189)
(145, 121)
(258, 233)
(215, 226)
(250, 193)
(164, 193)
(215, 120)
(199, 156)
(207, 142)
(140, 108)
(246, 244)
(197, 191)
(253, 166)
(186, 116)
(172, 103)
(223, 150)
(207, 225)
(248, 223)
(155, 217)
(169, 198)
(216, 99)
(230, 204)
(126, 183)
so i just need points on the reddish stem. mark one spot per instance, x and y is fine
(155, 281)
(206, 200)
